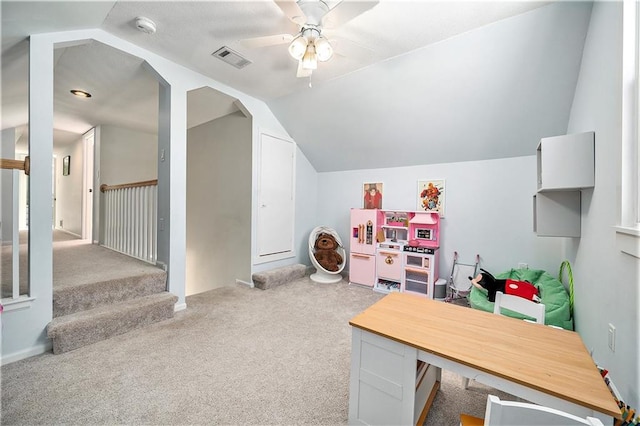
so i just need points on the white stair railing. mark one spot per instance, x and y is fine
(130, 219)
(15, 166)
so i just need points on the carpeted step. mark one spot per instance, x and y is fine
(278, 276)
(85, 327)
(68, 300)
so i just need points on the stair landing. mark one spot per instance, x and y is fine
(99, 293)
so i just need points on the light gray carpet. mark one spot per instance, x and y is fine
(75, 262)
(236, 356)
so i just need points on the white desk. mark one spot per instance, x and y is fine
(544, 365)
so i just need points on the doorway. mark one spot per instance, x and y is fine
(88, 140)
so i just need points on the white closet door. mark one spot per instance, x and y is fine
(276, 191)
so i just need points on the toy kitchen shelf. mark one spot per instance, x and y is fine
(395, 225)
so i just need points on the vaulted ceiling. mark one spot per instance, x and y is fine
(413, 82)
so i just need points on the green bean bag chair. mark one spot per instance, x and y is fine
(552, 292)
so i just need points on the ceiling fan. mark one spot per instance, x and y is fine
(310, 45)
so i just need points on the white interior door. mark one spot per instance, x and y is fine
(276, 197)
(87, 187)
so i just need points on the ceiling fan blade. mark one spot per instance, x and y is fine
(346, 11)
(272, 40)
(348, 48)
(303, 72)
(292, 10)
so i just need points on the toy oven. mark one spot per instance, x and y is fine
(417, 271)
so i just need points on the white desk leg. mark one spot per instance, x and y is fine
(382, 382)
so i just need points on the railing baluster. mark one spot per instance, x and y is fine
(145, 221)
(130, 219)
(15, 241)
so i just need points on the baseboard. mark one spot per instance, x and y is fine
(68, 232)
(179, 307)
(249, 284)
(27, 353)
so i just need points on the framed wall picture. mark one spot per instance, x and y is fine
(66, 165)
(372, 195)
(431, 196)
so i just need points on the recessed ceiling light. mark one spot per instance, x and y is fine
(80, 93)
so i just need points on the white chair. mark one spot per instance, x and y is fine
(322, 275)
(515, 304)
(520, 305)
(510, 413)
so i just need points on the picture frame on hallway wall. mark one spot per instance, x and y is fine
(431, 196)
(66, 165)
(372, 195)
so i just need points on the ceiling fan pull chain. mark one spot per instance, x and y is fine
(310, 86)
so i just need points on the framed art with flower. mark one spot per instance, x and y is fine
(431, 196)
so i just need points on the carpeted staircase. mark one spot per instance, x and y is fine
(87, 313)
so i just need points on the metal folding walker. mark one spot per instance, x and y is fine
(459, 281)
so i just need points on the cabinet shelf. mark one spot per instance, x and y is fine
(386, 286)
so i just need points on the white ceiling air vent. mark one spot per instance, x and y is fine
(231, 57)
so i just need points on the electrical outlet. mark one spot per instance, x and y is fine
(523, 265)
(60, 223)
(612, 338)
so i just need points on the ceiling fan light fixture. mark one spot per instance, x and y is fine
(310, 59)
(323, 48)
(298, 47)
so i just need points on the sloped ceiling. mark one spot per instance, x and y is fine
(489, 93)
(443, 82)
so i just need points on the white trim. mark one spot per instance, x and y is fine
(23, 302)
(247, 283)
(27, 353)
(628, 230)
(628, 240)
(179, 307)
(66, 231)
(273, 257)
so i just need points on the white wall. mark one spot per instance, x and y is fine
(606, 280)
(218, 203)
(127, 155)
(488, 209)
(69, 189)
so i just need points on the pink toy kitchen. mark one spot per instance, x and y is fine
(394, 250)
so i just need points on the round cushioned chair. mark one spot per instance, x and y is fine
(322, 275)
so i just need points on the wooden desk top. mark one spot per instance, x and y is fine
(547, 359)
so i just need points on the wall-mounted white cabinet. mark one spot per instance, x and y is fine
(566, 165)
(556, 214)
(566, 162)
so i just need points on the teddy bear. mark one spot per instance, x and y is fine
(325, 252)
(484, 280)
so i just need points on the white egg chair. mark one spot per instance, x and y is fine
(322, 275)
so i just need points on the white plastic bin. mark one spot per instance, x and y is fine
(440, 289)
